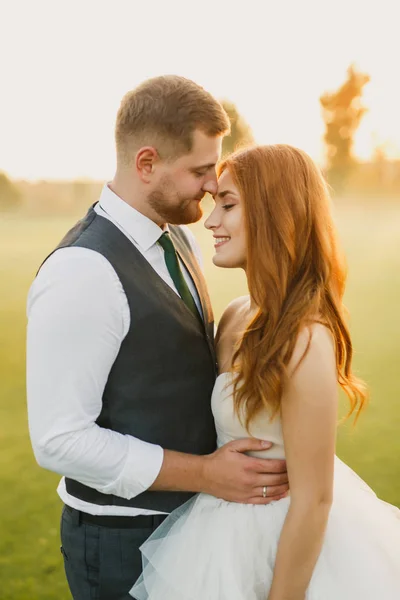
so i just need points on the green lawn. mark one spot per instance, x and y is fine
(30, 561)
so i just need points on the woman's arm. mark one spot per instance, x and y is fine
(309, 417)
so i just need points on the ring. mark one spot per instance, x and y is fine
(264, 491)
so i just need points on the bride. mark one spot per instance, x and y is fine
(282, 352)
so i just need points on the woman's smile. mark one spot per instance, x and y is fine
(220, 241)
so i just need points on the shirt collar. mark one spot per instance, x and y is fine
(142, 229)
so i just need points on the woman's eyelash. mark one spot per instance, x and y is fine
(227, 206)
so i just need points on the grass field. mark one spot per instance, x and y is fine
(30, 561)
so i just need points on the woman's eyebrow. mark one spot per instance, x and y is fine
(223, 194)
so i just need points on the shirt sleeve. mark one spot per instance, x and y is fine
(78, 316)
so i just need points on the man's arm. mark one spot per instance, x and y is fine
(227, 473)
(77, 319)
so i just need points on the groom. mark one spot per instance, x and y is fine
(120, 353)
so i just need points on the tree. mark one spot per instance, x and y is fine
(342, 113)
(241, 134)
(10, 196)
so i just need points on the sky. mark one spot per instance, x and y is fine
(65, 65)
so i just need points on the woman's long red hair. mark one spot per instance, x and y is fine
(294, 270)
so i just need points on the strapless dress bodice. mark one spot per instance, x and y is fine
(229, 426)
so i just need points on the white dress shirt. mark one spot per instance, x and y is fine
(78, 316)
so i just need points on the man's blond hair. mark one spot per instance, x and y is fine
(163, 112)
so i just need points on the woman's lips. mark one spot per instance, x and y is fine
(220, 241)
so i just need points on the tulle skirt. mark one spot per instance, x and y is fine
(209, 549)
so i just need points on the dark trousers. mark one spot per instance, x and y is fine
(102, 563)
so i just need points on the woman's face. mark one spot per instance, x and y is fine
(227, 224)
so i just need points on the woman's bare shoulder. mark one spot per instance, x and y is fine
(232, 311)
(313, 350)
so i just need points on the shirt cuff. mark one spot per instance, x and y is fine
(142, 466)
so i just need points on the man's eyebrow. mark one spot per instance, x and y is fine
(209, 166)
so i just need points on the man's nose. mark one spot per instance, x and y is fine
(210, 186)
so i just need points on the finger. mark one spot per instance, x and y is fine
(272, 490)
(275, 498)
(267, 465)
(269, 480)
(249, 445)
(262, 501)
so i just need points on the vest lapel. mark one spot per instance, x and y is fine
(185, 253)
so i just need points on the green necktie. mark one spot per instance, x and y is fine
(172, 262)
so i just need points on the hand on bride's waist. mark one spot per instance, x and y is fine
(231, 474)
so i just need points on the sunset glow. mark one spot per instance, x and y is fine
(66, 65)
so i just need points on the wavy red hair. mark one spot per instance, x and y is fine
(295, 272)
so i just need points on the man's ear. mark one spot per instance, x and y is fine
(146, 159)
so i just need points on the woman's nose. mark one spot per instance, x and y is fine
(211, 221)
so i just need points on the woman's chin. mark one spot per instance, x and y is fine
(223, 262)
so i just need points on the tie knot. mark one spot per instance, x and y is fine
(166, 243)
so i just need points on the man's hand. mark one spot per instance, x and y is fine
(227, 473)
(231, 475)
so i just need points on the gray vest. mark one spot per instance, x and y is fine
(159, 388)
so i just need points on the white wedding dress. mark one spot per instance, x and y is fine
(210, 549)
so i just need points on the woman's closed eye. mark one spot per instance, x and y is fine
(227, 206)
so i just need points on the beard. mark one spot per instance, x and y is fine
(172, 207)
